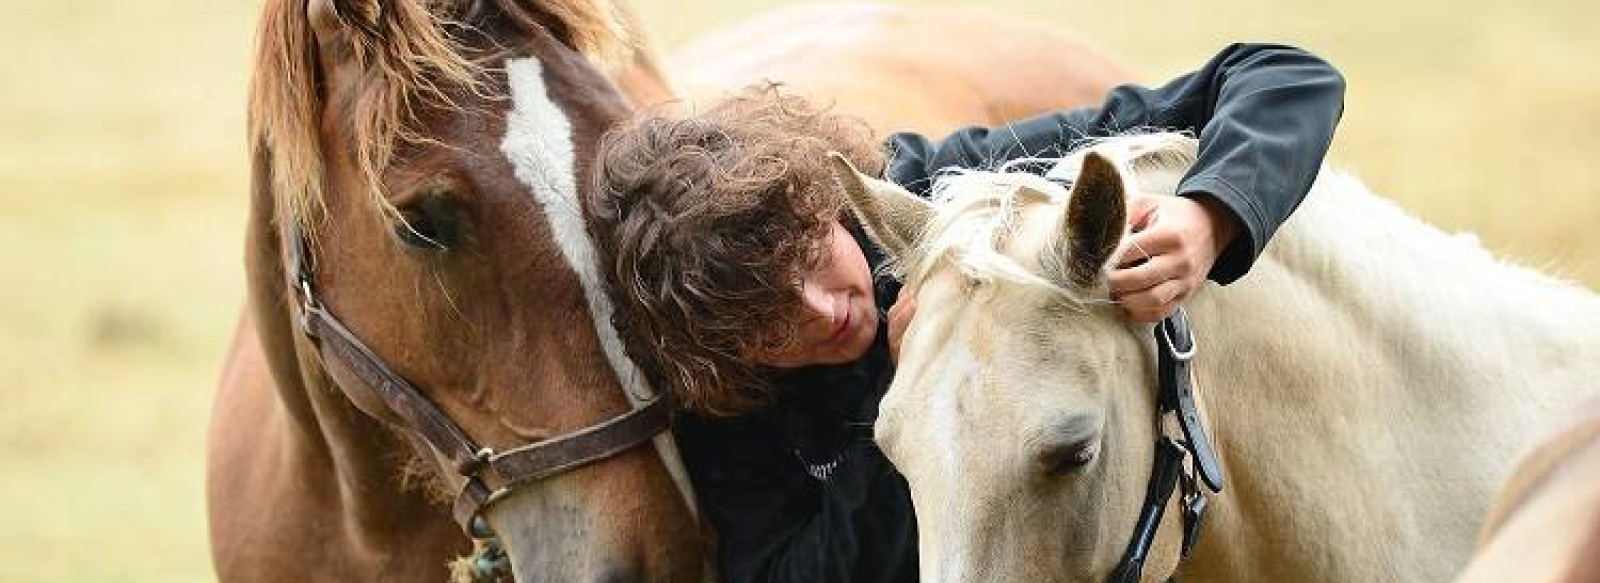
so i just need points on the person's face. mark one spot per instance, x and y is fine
(839, 316)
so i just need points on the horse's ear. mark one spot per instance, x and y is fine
(1095, 219)
(891, 216)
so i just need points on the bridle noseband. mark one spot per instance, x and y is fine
(1175, 348)
(487, 475)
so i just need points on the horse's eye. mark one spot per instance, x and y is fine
(1060, 459)
(420, 231)
(430, 223)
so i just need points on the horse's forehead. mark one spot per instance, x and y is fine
(538, 143)
(996, 331)
(1037, 229)
(538, 137)
(961, 344)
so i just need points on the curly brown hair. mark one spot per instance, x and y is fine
(707, 222)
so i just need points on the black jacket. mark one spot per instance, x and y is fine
(798, 493)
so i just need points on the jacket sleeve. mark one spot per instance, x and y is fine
(776, 523)
(1265, 116)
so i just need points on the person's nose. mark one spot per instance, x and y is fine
(818, 303)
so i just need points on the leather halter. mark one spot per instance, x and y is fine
(1175, 348)
(487, 475)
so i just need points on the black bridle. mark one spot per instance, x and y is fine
(1175, 349)
(487, 475)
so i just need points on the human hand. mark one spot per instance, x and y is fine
(1174, 242)
(905, 306)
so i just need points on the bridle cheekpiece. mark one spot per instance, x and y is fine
(1175, 350)
(486, 475)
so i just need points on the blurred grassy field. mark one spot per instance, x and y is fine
(122, 183)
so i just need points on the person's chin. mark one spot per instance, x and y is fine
(860, 341)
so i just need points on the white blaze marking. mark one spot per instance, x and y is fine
(538, 143)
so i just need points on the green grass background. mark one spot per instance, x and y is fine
(122, 194)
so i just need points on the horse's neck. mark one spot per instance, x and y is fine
(1366, 343)
(1406, 281)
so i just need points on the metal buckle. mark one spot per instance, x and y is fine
(308, 306)
(479, 528)
(470, 466)
(1195, 502)
(1194, 513)
(1166, 334)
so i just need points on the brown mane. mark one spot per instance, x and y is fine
(407, 57)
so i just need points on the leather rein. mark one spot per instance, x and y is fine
(1175, 349)
(487, 475)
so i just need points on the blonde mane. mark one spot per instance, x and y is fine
(977, 215)
(978, 210)
(406, 56)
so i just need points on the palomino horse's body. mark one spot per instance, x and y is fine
(432, 154)
(1544, 526)
(1367, 386)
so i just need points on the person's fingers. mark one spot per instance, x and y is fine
(1153, 304)
(1144, 245)
(1162, 294)
(1143, 276)
(1146, 316)
(1141, 209)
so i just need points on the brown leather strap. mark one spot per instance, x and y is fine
(470, 500)
(537, 461)
(487, 474)
(531, 463)
(339, 346)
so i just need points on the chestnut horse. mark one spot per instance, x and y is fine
(415, 182)
(423, 300)
(903, 68)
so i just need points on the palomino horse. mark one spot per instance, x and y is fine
(423, 295)
(1544, 526)
(1367, 386)
(423, 299)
